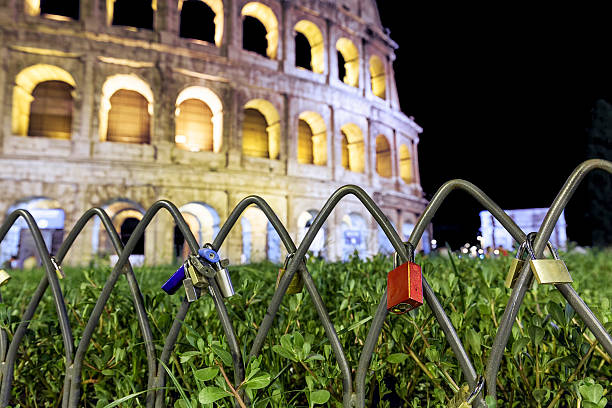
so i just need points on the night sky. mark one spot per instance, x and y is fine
(505, 99)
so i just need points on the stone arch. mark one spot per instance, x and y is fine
(405, 164)
(261, 138)
(121, 12)
(124, 214)
(383, 157)
(25, 83)
(203, 221)
(118, 83)
(349, 61)
(354, 235)
(18, 243)
(317, 131)
(265, 16)
(304, 221)
(259, 239)
(199, 124)
(352, 148)
(216, 6)
(378, 78)
(317, 47)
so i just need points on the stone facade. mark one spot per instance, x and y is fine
(87, 170)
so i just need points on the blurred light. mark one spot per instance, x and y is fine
(464, 250)
(434, 242)
(481, 256)
(480, 251)
(496, 252)
(43, 223)
(180, 139)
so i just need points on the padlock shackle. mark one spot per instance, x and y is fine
(409, 249)
(529, 242)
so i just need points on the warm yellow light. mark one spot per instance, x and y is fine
(355, 147)
(405, 164)
(115, 83)
(215, 105)
(319, 136)
(273, 130)
(317, 47)
(351, 61)
(378, 76)
(25, 82)
(267, 17)
(383, 157)
(32, 7)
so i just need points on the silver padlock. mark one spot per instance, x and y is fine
(222, 275)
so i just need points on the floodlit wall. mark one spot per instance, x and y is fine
(146, 107)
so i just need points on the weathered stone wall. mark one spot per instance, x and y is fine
(84, 172)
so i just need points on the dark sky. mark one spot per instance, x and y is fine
(505, 99)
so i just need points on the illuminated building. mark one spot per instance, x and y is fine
(120, 103)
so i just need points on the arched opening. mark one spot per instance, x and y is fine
(354, 236)
(405, 164)
(304, 152)
(125, 232)
(60, 9)
(131, 111)
(304, 222)
(259, 29)
(197, 21)
(131, 13)
(317, 131)
(194, 127)
(51, 110)
(260, 130)
(26, 83)
(203, 221)
(350, 61)
(128, 118)
(303, 59)
(352, 148)
(199, 120)
(125, 215)
(309, 47)
(258, 242)
(383, 157)
(254, 36)
(254, 135)
(378, 76)
(18, 245)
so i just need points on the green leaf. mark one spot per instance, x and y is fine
(519, 345)
(397, 358)
(319, 397)
(224, 355)
(258, 382)
(208, 395)
(473, 338)
(206, 374)
(591, 393)
(284, 352)
(491, 402)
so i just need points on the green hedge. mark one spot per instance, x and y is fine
(551, 359)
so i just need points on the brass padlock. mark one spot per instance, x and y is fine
(463, 398)
(404, 284)
(516, 266)
(297, 284)
(4, 277)
(198, 272)
(548, 271)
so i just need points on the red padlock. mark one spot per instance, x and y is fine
(404, 285)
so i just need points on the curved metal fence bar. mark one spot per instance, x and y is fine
(58, 298)
(136, 293)
(522, 283)
(156, 380)
(118, 269)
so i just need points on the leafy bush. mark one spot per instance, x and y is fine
(551, 359)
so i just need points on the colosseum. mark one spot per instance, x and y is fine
(120, 103)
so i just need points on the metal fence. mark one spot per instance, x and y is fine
(353, 389)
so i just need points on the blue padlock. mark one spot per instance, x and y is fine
(209, 255)
(175, 281)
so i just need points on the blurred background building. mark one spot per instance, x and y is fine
(120, 103)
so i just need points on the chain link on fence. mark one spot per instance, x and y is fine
(352, 397)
